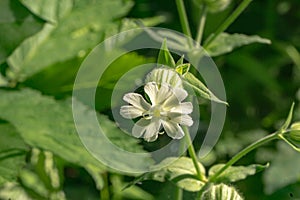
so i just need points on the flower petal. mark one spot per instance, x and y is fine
(165, 91)
(131, 112)
(151, 90)
(183, 120)
(140, 127)
(137, 101)
(173, 129)
(183, 108)
(152, 130)
(180, 93)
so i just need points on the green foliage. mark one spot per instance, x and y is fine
(54, 11)
(284, 163)
(12, 153)
(180, 171)
(200, 89)
(226, 43)
(235, 173)
(17, 23)
(164, 56)
(74, 35)
(55, 131)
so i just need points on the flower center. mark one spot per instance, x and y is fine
(155, 111)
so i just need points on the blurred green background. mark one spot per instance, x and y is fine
(42, 44)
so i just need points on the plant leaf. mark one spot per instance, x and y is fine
(3, 81)
(285, 163)
(48, 124)
(12, 153)
(49, 10)
(180, 171)
(74, 35)
(164, 56)
(235, 173)
(200, 89)
(226, 43)
(16, 24)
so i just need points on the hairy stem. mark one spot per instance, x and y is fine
(192, 153)
(242, 153)
(201, 25)
(184, 21)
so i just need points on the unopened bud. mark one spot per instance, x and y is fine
(165, 75)
(294, 133)
(221, 191)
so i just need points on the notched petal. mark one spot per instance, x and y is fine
(137, 101)
(173, 130)
(183, 108)
(151, 90)
(130, 112)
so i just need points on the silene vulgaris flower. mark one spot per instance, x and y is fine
(164, 110)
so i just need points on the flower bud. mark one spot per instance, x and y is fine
(214, 6)
(164, 75)
(294, 133)
(221, 191)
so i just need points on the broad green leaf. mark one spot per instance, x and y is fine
(12, 153)
(284, 169)
(164, 56)
(226, 43)
(200, 89)
(16, 24)
(49, 10)
(74, 35)
(180, 171)
(221, 192)
(235, 173)
(48, 124)
(175, 41)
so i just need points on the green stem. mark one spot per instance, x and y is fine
(201, 25)
(192, 153)
(184, 21)
(227, 22)
(243, 153)
(178, 193)
(104, 193)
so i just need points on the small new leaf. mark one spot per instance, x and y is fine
(288, 119)
(183, 68)
(164, 56)
(180, 61)
(200, 89)
(235, 173)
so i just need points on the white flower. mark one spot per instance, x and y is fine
(165, 110)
